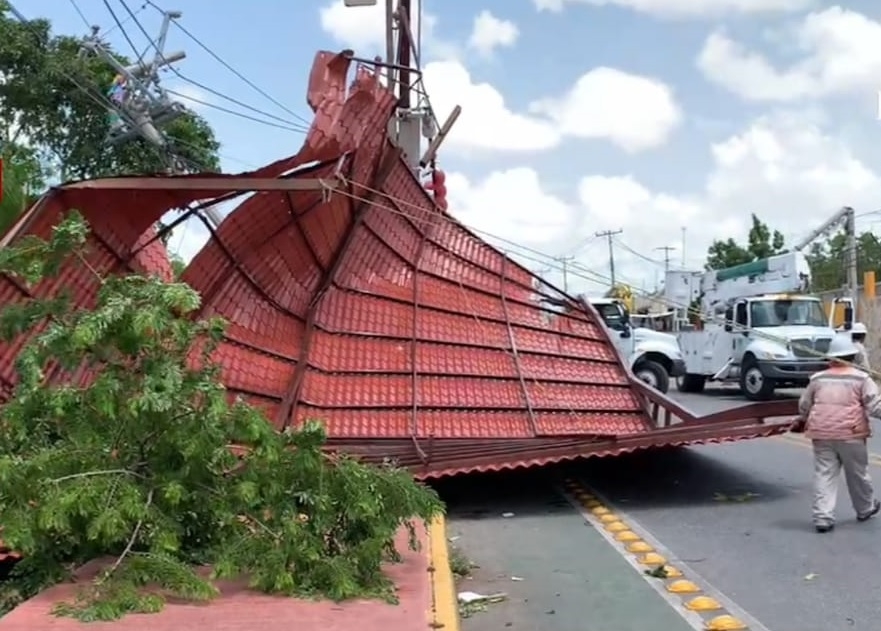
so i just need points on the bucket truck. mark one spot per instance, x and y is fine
(761, 328)
(654, 357)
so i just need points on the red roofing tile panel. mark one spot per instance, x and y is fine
(364, 306)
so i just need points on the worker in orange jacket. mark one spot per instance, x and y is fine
(835, 408)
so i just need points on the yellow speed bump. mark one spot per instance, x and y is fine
(625, 536)
(725, 623)
(608, 518)
(638, 547)
(598, 510)
(683, 587)
(672, 572)
(652, 558)
(616, 526)
(703, 603)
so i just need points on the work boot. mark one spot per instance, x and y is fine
(876, 506)
(821, 528)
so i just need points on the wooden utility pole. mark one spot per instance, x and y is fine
(667, 249)
(608, 234)
(564, 263)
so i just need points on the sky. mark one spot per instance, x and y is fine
(669, 120)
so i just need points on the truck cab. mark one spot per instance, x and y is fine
(776, 341)
(654, 357)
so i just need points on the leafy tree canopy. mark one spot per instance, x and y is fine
(137, 465)
(53, 99)
(827, 259)
(761, 243)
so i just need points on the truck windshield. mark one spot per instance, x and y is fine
(787, 312)
(613, 315)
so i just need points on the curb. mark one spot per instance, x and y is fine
(702, 607)
(444, 612)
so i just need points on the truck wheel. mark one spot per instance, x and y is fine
(653, 374)
(753, 383)
(690, 383)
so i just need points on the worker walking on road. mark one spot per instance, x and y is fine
(835, 408)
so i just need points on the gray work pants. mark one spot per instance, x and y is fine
(830, 457)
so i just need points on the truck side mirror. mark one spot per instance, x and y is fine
(848, 317)
(625, 333)
(728, 327)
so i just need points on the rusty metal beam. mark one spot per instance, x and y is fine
(219, 183)
(512, 342)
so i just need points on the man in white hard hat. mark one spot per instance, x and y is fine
(858, 334)
(835, 408)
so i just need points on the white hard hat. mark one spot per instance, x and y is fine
(841, 346)
(858, 328)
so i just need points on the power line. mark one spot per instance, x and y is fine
(79, 12)
(608, 234)
(226, 65)
(289, 125)
(667, 249)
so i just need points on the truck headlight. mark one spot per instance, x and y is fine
(770, 355)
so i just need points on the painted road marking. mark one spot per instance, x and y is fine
(444, 612)
(698, 602)
(801, 441)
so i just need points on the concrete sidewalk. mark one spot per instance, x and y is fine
(556, 569)
(425, 590)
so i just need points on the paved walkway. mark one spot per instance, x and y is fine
(426, 600)
(556, 569)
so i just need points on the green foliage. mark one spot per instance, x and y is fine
(137, 466)
(761, 243)
(56, 98)
(828, 260)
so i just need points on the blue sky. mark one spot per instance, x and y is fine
(791, 140)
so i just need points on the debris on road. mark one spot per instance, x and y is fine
(471, 603)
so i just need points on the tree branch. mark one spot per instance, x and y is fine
(89, 474)
(132, 539)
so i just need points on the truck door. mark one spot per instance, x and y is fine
(740, 334)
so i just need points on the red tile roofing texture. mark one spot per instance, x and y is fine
(353, 299)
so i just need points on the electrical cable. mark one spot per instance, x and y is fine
(289, 125)
(226, 65)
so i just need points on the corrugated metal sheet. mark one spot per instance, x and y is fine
(354, 300)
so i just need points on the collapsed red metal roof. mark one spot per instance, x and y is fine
(352, 299)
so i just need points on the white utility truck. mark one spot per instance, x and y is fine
(761, 328)
(654, 357)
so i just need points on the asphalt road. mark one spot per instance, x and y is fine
(736, 516)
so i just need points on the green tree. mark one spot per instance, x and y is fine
(22, 180)
(55, 98)
(139, 465)
(828, 259)
(761, 243)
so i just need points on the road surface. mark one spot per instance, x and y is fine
(734, 518)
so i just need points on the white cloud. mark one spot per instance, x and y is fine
(841, 54)
(486, 122)
(636, 113)
(363, 28)
(685, 8)
(781, 166)
(490, 32)
(510, 205)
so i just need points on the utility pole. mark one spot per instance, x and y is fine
(667, 249)
(564, 263)
(138, 104)
(608, 234)
(683, 247)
